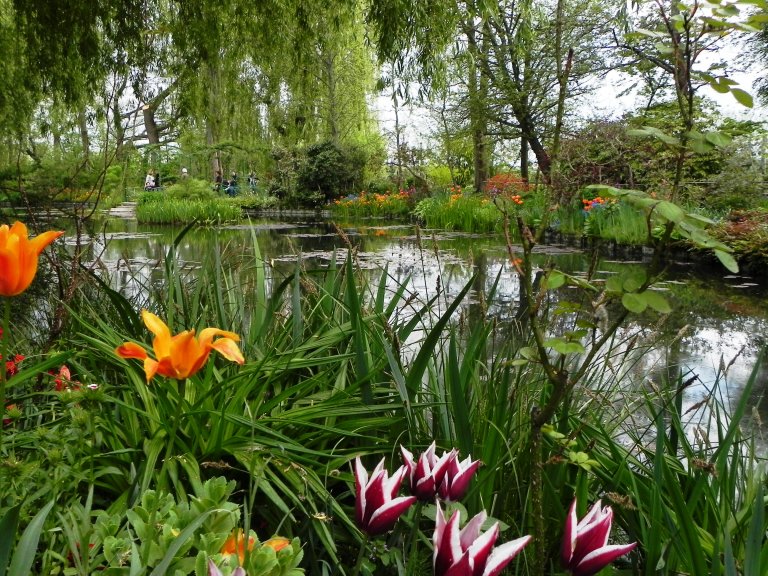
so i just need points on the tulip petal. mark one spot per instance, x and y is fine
(39, 242)
(9, 272)
(374, 495)
(460, 482)
(361, 480)
(471, 531)
(385, 517)
(131, 350)
(186, 355)
(162, 341)
(482, 545)
(464, 566)
(150, 368)
(407, 458)
(598, 559)
(228, 348)
(503, 555)
(448, 548)
(207, 335)
(569, 537)
(594, 535)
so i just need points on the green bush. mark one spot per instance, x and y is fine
(191, 189)
(329, 172)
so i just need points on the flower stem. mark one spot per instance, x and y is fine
(171, 440)
(360, 556)
(413, 557)
(4, 359)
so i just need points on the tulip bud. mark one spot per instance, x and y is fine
(585, 549)
(376, 508)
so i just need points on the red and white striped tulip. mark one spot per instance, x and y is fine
(426, 473)
(467, 552)
(585, 548)
(377, 508)
(457, 477)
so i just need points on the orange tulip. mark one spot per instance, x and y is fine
(235, 544)
(182, 355)
(18, 257)
(277, 543)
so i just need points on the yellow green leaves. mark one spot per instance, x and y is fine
(633, 296)
(691, 227)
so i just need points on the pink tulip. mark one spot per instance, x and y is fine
(377, 509)
(427, 473)
(457, 477)
(585, 550)
(467, 552)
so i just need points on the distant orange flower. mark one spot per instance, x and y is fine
(277, 543)
(182, 355)
(235, 544)
(18, 257)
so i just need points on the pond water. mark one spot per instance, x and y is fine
(718, 325)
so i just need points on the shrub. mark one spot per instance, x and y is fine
(329, 171)
(190, 189)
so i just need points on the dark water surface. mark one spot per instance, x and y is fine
(718, 325)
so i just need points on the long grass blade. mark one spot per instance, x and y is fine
(24, 556)
(8, 526)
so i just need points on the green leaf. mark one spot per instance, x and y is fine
(727, 260)
(529, 353)
(670, 211)
(178, 542)
(701, 146)
(743, 97)
(563, 346)
(718, 139)
(24, 556)
(657, 302)
(555, 279)
(755, 535)
(719, 87)
(614, 284)
(634, 303)
(656, 133)
(634, 281)
(8, 526)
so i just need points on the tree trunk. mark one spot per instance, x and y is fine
(524, 159)
(477, 91)
(150, 125)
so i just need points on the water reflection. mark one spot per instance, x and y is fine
(715, 331)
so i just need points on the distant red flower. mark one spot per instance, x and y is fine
(12, 366)
(63, 380)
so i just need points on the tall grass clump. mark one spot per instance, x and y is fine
(459, 211)
(690, 486)
(173, 206)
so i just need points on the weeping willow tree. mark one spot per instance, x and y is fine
(224, 80)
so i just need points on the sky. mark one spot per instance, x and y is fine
(607, 101)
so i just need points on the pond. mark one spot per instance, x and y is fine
(715, 332)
